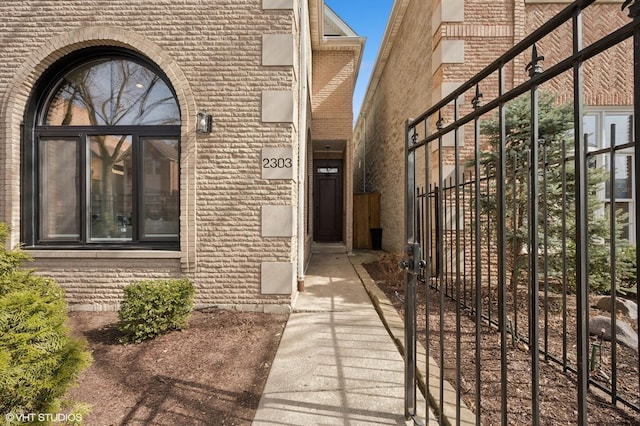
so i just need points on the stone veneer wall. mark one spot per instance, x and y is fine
(236, 59)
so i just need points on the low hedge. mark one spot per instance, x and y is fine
(153, 307)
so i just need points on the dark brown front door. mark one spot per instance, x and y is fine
(327, 201)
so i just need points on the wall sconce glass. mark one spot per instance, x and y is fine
(205, 122)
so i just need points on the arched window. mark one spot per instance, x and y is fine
(101, 155)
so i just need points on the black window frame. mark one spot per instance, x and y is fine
(32, 133)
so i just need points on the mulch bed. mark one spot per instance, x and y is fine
(211, 373)
(557, 390)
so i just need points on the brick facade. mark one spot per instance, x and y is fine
(419, 64)
(213, 54)
(396, 97)
(331, 103)
(333, 116)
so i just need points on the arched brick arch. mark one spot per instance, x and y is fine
(15, 103)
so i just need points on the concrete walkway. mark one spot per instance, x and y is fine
(336, 363)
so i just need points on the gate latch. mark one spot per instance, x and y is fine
(412, 262)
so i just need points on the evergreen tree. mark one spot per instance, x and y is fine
(39, 359)
(557, 196)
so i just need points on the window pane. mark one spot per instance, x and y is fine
(160, 203)
(59, 189)
(623, 128)
(328, 170)
(111, 188)
(623, 178)
(112, 92)
(590, 130)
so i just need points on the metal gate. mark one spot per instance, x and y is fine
(508, 227)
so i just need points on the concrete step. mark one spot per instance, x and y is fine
(328, 248)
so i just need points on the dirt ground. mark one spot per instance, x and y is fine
(211, 373)
(214, 371)
(557, 394)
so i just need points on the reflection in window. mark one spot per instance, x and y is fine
(102, 168)
(623, 128)
(112, 92)
(623, 178)
(111, 187)
(590, 130)
(58, 195)
(160, 191)
(603, 129)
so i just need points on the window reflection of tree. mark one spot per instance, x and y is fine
(112, 92)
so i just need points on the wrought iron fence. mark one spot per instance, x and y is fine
(514, 230)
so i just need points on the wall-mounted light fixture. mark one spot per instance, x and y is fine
(205, 122)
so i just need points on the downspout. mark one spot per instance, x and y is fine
(302, 144)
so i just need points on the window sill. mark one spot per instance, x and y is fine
(104, 254)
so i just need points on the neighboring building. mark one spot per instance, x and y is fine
(110, 171)
(431, 47)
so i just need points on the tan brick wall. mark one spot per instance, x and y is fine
(102, 280)
(211, 52)
(331, 103)
(404, 91)
(333, 82)
(409, 85)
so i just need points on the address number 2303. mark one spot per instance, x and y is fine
(276, 163)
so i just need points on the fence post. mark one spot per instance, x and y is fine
(410, 279)
(581, 191)
(502, 253)
(634, 13)
(534, 68)
(477, 103)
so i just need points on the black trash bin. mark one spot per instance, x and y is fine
(376, 238)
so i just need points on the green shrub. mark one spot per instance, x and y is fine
(10, 260)
(151, 308)
(600, 268)
(39, 360)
